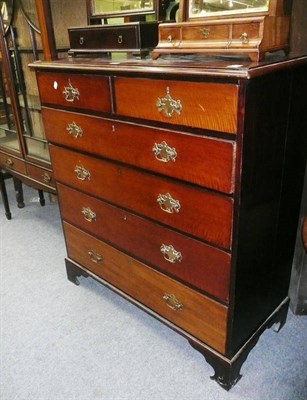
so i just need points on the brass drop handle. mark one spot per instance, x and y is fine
(244, 38)
(94, 257)
(70, 93)
(46, 177)
(170, 254)
(168, 204)
(88, 214)
(74, 130)
(81, 40)
(82, 173)
(164, 153)
(172, 302)
(9, 162)
(120, 39)
(168, 105)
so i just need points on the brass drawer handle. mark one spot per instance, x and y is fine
(164, 153)
(170, 254)
(172, 302)
(244, 38)
(74, 130)
(70, 93)
(46, 177)
(204, 33)
(168, 204)
(82, 173)
(95, 257)
(9, 162)
(120, 39)
(168, 105)
(88, 214)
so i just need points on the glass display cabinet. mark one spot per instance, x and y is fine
(231, 27)
(23, 146)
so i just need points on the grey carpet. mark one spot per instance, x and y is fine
(65, 342)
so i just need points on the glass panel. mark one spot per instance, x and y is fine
(120, 7)
(8, 131)
(206, 8)
(26, 48)
(37, 148)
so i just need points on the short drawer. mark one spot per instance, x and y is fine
(12, 163)
(198, 159)
(128, 36)
(207, 34)
(191, 261)
(201, 213)
(202, 105)
(89, 92)
(193, 312)
(246, 34)
(41, 175)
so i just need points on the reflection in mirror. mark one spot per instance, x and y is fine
(6, 9)
(107, 8)
(203, 8)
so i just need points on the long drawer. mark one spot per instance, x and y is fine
(90, 92)
(189, 260)
(198, 212)
(198, 315)
(202, 105)
(198, 159)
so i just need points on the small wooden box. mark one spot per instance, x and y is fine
(134, 37)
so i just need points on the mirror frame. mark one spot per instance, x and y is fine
(94, 17)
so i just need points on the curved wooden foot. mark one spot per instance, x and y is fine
(226, 372)
(73, 272)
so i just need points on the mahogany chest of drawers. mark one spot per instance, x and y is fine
(176, 189)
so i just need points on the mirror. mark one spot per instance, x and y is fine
(116, 8)
(6, 8)
(206, 8)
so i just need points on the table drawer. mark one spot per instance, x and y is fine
(201, 213)
(89, 92)
(42, 175)
(12, 163)
(198, 159)
(202, 105)
(198, 315)
(189, 260)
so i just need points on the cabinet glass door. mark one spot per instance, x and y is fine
(8, 129)
(25, 47)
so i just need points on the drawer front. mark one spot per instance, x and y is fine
(197, 159)
(198, 212)
(198, 315)
(245, 34)
(202, 105)
(206, 34)
(89, 92)
(104, 38)
(189, 260)
(12, 163)
(42, 175)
